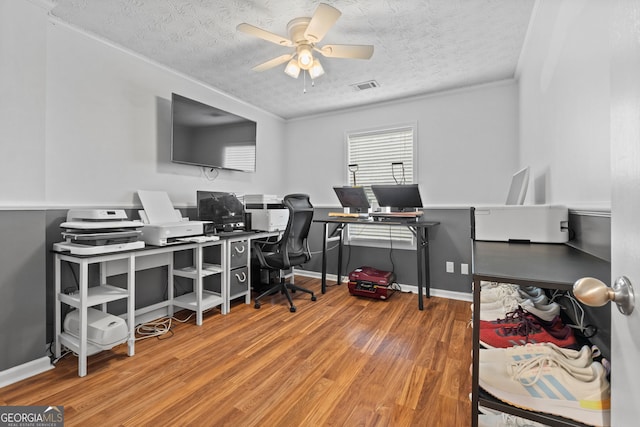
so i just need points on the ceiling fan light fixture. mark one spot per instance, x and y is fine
(292, 69)
(305, 58)
(316, 69)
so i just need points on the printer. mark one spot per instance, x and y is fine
(99, 231)
(267, 212)
(104, 330)
(161, 223)
(522, 223)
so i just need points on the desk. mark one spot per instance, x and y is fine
(128, 262)
(419, 228)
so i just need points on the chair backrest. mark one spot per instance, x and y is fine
(297, 231)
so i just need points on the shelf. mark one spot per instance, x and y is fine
(548, 266)
(488, 401)
(188, 301)
(190, 272)
(96, 295)
(73, 344)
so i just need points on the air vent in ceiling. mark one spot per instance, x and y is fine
(365, 85)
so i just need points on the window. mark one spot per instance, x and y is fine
(384, 156)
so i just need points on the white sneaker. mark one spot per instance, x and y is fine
(499, 292)
(505, 420)
(546, 312)
(549, 383)
(580, 358)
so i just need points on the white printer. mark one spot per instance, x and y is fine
(104, 330)
(528, 223)
(267, 212)
(162, 224)
(98, 231)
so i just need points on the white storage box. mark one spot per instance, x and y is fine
(531, 223)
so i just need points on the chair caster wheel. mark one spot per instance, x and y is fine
(292, 309)
(256, 305)
(313, 298)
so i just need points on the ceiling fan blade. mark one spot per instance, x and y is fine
(273, 62)
(321, 21)
(356, 51)
(264, 34)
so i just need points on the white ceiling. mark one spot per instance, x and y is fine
(421, 46)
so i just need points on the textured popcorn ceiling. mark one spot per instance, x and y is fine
(420, 46)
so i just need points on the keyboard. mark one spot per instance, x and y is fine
(396, 214)
(348, 215)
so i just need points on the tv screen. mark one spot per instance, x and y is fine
(206, 136)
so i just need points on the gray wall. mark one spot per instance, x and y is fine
(22, 287)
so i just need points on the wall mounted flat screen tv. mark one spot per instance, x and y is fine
(206, 136)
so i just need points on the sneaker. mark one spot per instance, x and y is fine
(540, 313)
(505, 420)
(531, 291)
(528, 331)
(498, 292)
(549, 384)
(579, 358)
(499, 309)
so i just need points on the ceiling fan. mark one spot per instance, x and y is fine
(304, 35)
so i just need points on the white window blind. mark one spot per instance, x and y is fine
(383, 156)
(241, 157)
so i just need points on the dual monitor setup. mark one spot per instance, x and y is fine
(406, 197)
(398, 197)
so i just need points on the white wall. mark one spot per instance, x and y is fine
(87, 123)
(22, 103)
(467, 145)
(564, 104)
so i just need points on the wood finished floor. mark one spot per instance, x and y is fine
(339, 361)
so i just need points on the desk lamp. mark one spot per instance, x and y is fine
(353, 168)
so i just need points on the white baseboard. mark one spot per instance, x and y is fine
(26, 370)
(435, 292)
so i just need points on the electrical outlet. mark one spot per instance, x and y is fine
(450, 267)
(464, 268)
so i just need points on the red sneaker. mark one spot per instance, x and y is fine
(528, 331)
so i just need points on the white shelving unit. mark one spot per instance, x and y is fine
(201, 299)
(93, 296)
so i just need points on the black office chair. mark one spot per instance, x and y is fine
(290, 250)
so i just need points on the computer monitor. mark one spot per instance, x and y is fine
(223, 209)
(518, 187)
(353, 198)
(402, 197)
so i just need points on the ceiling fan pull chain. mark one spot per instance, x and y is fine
(304, 78)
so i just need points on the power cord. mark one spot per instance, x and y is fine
(158, 328)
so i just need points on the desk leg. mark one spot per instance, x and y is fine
(131, 304)
(82, 318)
(427, 273)
(325, 236)
(422, 254)
(58, 309)
(340, 246)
